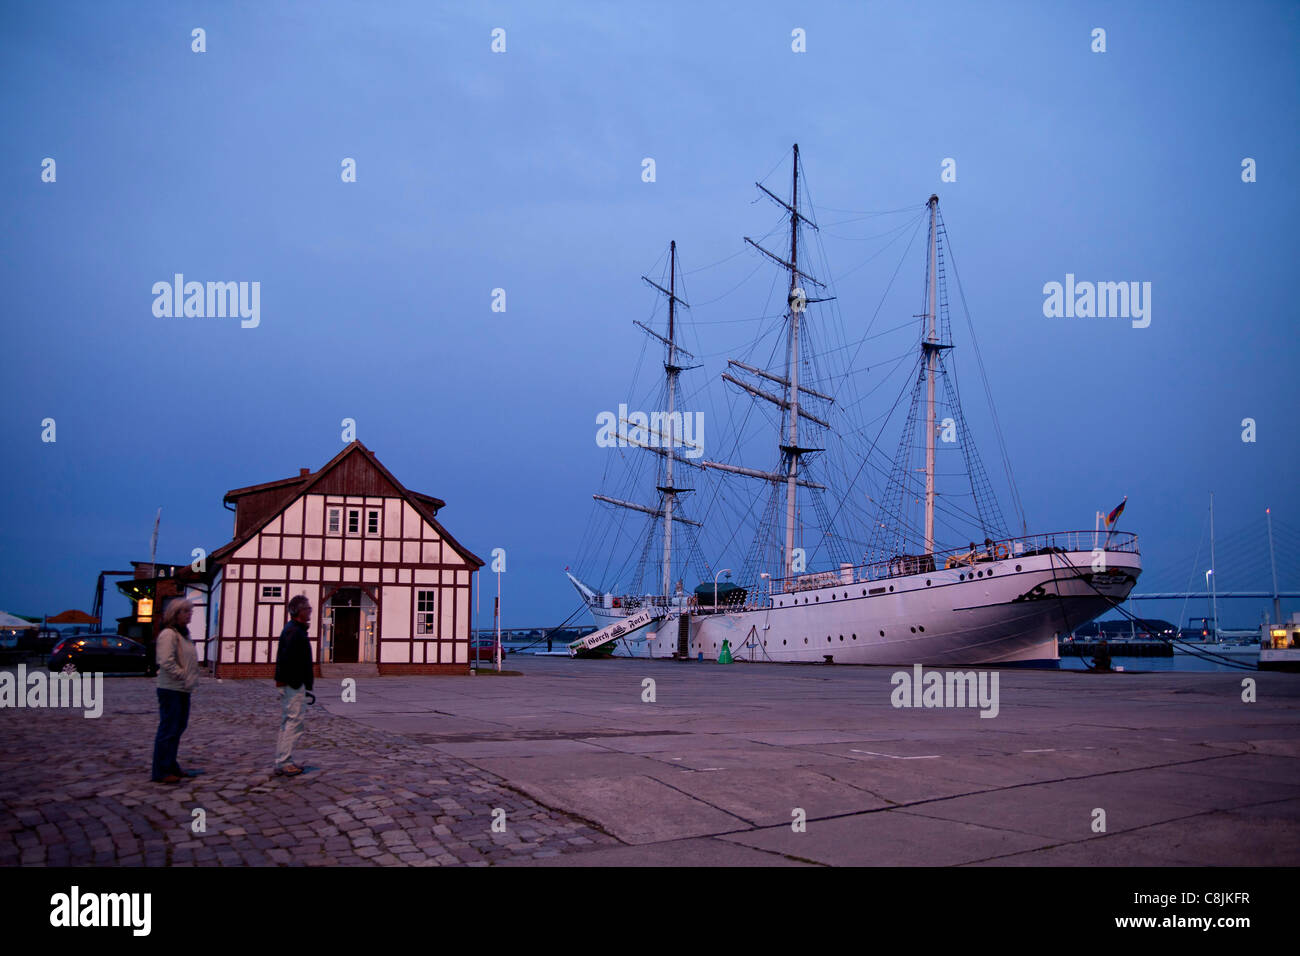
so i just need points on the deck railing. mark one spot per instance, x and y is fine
(909, 564)
(905, 565)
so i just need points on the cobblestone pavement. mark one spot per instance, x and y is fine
(76, 791)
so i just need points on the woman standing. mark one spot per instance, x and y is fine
(178, 675)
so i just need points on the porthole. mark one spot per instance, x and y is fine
(961, 577)
(832, 595)
(921, 628)
(783, 640)
(816, 599)
(927, 582)
(1017, 567)
(913, 630)
(891, 589)
(864, 592)
(841, 637)
(979, 574)
(855, 637)
(828, 638)
(989, 572)
(882, 633)
(805, 640)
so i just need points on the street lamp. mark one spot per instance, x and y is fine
(727, 572)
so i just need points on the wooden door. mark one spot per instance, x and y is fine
(347, 622)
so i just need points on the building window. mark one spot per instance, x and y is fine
(423, 612)
(372, 522)
(354, 521)
(273, 591)
(334, 520)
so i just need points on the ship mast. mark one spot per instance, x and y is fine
(1272, 562)
(904, 492)
(670, 367)
(671, 370)
(669, 450)
(1214, 585)
(797, 300)
(792, 372)
(930, 346)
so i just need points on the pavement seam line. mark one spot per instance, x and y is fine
(1129, 832)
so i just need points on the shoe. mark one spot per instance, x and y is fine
(170, 778)
(190, 773)
(288, 770)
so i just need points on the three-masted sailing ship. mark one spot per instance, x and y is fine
(987, 598)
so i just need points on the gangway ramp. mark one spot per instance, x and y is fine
(623, 628)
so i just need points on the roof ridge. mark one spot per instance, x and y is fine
(411, 497)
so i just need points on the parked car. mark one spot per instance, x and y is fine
(43, 641)
(104, 653)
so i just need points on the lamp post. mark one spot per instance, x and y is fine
(497, 615)
(727, 572)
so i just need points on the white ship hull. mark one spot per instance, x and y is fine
(1012, 611)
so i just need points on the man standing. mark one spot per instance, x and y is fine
(293, 673)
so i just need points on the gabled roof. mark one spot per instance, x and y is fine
(425, 505)
(292, 488)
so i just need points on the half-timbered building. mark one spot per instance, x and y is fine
(390, 587)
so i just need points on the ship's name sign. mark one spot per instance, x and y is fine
(638, 620)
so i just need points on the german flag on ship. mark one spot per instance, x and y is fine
(1114, 515)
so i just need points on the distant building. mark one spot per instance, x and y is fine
(151, 588)
(388, 584)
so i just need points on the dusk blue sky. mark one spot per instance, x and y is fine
(522, 171)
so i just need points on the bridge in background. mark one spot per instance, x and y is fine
(1259, 562)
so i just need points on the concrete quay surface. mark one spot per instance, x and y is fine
(712, 771)
(1178, 768)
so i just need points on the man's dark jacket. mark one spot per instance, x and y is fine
(293, 658)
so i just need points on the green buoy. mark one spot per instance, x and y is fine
(725, 656)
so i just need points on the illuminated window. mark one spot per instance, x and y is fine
(424, 612)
